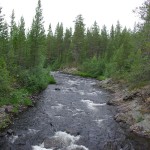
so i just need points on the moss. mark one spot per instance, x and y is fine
(101, 78)
(139, 118)
(15, 110)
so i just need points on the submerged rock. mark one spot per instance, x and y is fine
(57, 89)
(10, 132)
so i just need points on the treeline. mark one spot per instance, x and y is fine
(26, 55)
(119, 53)
(22, 59)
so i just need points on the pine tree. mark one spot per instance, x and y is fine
(50, 46)
(13, 44)
(89, 43)
(96, 39)
(1, 20)
(111, 44)
(79, 52)
(144, 12)
(37, 39)
(104, 41)
(59, 42)
(4, 41)
(67, 56)
(1, 31)
(22, 44)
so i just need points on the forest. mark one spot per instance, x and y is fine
(28, 55)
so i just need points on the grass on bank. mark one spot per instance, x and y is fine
(20, 87)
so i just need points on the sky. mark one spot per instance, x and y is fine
(106, 12)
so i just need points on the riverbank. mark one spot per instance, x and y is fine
(9, 112)
(133, 106)
(22, 94)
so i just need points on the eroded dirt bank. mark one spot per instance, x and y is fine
(133, 109)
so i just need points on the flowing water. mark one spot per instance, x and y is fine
(71, 115)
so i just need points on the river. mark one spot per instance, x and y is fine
(70, 115)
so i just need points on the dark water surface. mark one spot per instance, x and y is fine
(71, 115)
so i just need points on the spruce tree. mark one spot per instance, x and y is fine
(67, 56)
(59, 42)
(89, 43)
(96, 39)
(37, 39)
(79, 52)
(22, 44)
(103, 41)
(13, 44)
(49, 46)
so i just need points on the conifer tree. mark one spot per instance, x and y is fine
(103, 41)
(4, 40)
(96, 39)
(67, 56)
(59, 41)
(13, 44)
(37, 39)
(49, 46)
(89, 43)
(1, 20)
(79, 52)
(22, 44)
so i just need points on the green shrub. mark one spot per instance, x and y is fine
(19, 96)
(27, 102)
(56, 65)
(140, 69)
(36, 79)
(93, 67)
(5, 80)
(82, 74)
(51, 80)
(16, 97)
(101, 77)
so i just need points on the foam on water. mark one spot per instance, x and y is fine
(92, 94)
(66, 138)
(39, 148)
(71, 82)
(58, 106)
(74, 146)
(32, 131)
(79, 110)
(68, 90)
(59, 117)
(91, 104)
(99, 121)
(67, 141)
(81, 92)
(13, 138)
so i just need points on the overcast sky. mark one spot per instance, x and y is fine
(103, 11)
